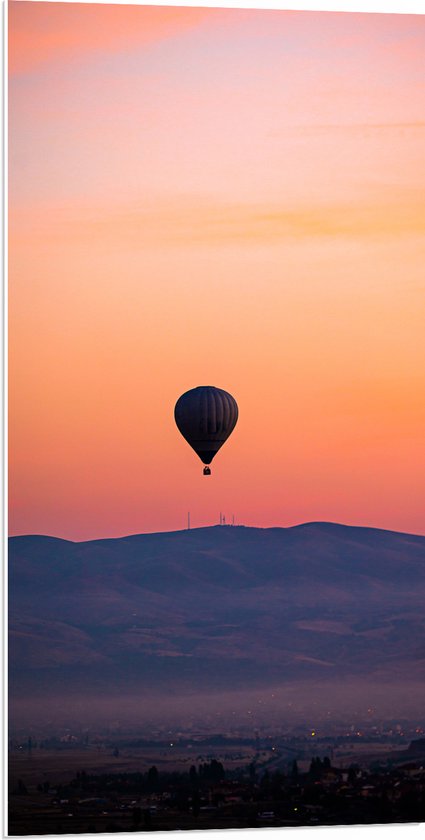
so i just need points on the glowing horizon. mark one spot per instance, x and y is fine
(215, 196)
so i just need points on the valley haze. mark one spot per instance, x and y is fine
(318, 621)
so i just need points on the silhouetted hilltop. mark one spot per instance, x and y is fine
(217, 606)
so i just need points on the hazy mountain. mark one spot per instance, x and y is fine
(216, 608)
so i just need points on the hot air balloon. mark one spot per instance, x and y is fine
(206, 416)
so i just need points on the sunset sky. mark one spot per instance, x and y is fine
(215, 197)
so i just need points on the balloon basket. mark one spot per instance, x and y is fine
(207, 471)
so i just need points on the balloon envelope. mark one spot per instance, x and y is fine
(206, 416)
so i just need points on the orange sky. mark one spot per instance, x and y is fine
(213, 196)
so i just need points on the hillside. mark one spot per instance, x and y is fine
(216, 607)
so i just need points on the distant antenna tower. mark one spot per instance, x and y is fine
(188, 521)
(233, 519)
(224, 519)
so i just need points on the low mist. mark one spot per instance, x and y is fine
(310, 703)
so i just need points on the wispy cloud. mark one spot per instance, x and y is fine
(390, 213)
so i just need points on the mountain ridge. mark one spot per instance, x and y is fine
(310, 524)
(208, 607)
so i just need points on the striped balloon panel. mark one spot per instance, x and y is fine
(206, 416)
